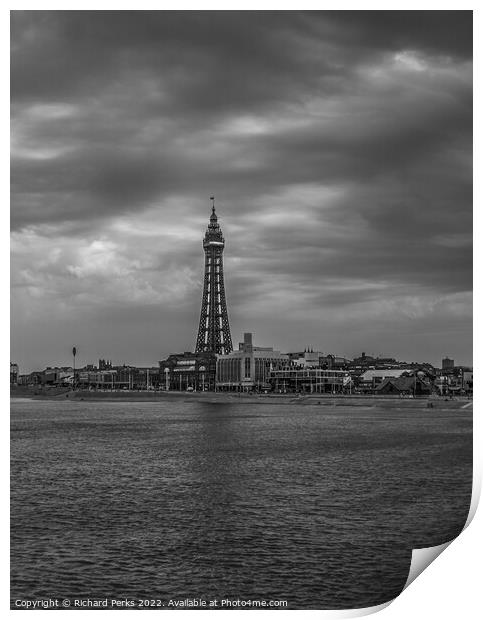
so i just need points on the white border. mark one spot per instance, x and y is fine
(451, 587)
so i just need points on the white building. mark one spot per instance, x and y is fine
(248, 368)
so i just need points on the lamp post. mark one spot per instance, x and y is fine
(74, 351)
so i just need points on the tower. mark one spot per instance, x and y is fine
(214, 330)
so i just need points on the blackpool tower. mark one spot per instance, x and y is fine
(214, 330)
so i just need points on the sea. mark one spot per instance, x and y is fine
(315, 505)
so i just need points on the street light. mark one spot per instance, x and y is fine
(74, 351)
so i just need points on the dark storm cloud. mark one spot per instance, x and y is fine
(211, 55)
(65, 53)
(338, 145)
(441, 32)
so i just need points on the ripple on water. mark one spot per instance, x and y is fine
(318, 506)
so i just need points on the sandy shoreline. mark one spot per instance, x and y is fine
(234, 398)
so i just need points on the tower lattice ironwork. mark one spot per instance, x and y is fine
(214, 330)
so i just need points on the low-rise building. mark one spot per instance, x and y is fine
(95, 379)
(404, 386)
(309, 380)
(369, 380)
(468, 381)
(334, 362)
(455, 382)
(118, 378)
(307, 359)
(363, 361)
(13, 373)
(188, 372)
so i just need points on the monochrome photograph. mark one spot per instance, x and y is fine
(241, 249)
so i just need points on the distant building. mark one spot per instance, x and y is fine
(441, 384)
(468, 381)
(188, 372)
(333, 362)
(49, 376)
(308, 359)
(102, 380)
(13, 373)
(248, 368)
(363, 361)
(455, 382)
(144, 378)
(131, 378)
(309, 380)
(105, 364)
(447, 364)
(404, 386)
(118, 378)
(57, 376)
(32, 379)
(371, 379)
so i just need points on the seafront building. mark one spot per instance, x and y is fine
(118, 378)
(308, 359)
(248, 368)
(310, 380)
(371, 379)
(454, 381)
(53, 376)
(404, 386)
(188, 372)
(13, 373)
(416, 380)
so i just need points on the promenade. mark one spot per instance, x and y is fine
(324, 400)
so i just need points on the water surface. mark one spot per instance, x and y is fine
(316, 505)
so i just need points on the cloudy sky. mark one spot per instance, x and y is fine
(339, 149)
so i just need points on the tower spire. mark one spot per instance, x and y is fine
(214, 329)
